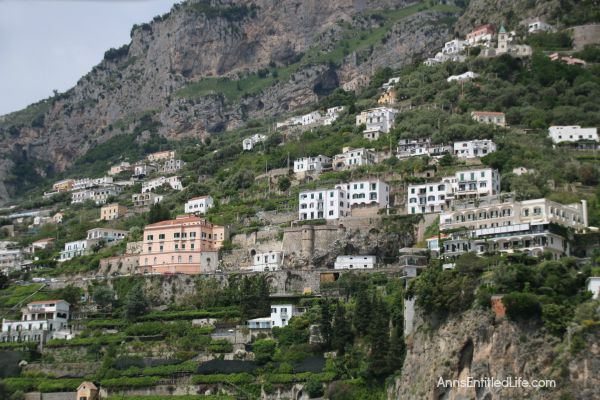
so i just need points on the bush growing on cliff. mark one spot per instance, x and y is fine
(522, 305)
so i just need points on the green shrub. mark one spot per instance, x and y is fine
(236, 379)
(128, 382)
(220, 346)
(522, 305)
(264, 350)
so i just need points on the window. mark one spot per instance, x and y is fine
(190, 259)
(150, 238)
(176, 235)
(192, 234)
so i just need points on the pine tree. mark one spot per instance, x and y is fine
(362, 312)
(342, 331)
(325, 323)
(379, 340)
(397, 349)
(137, 304)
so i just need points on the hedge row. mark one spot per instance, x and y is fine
(106, 323)
(220, 346)
(236, 379)
(18, 345)
(87, 341)
(179, 328)
(184, 397)
(130, 382)
(30, 384)
(163, 370)
(232, 312)
(301, 377)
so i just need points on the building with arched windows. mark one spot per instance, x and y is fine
(40, 321)
(503, 225)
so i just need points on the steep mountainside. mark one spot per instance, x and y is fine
(208, 66)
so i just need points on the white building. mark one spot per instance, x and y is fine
(313, 117)
(107, 235)
(498, 224)
(467, 76)
(10, 260)
(575, 133)
(454, 46)
(489, 117)
(438, 196)
(474, 148)
(171, 165)
(142, 170)
(332, 115)
(280, 317)
(352, 158)
(91, 182)
(382, 118)
(420, 147)
(311, 165)
(367, 192)
(152, 184)
(40, 321)
(323, 204)
(390, 83)
(147, 199)
(199, 204)
(268, 261)
(77, 248)
(97, 195)
(161, 155)
(481, 34)
(354, 262)
(250, 142)
(593, 285)
(539, 26)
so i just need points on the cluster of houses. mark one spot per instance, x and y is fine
(313, 118)
(492, 43)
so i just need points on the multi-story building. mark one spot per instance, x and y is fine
(186, 244)
(161, 155)
(112, 211)
(368, 192)
(539, 26)
(10, 260)
(268, 261)
(172, 181)
(352, 158)
(481, 34)
(97, 195)
(40, 321)
(64, 186)
(387, 98)
(454, 47)
(354, 262)
(311, 165)
(332, 115)
(92, 182)
(147, 199)
(438, 196)
(377, 120)
(250, 142)
(474, 148)
(390, 83)
(489, 117)
(171, 165)
(497, 224)
(420, 147)
(323, 204)
(77, 248)
(199, 204)
(107, 235)
(574, 133)
(280, 317)
(143, 169)
(121, 167)
(464, 77)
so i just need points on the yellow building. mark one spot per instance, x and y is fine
(64, 185)
(112, 211)
(388, 97)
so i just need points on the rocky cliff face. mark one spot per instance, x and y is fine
(476, 345)
(202, 40)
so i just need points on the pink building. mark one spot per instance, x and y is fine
(186, 244)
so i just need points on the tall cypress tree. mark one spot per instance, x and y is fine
(397, 349)
(362, 312)
(325, 323)
(342, 331)
(379, 339)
